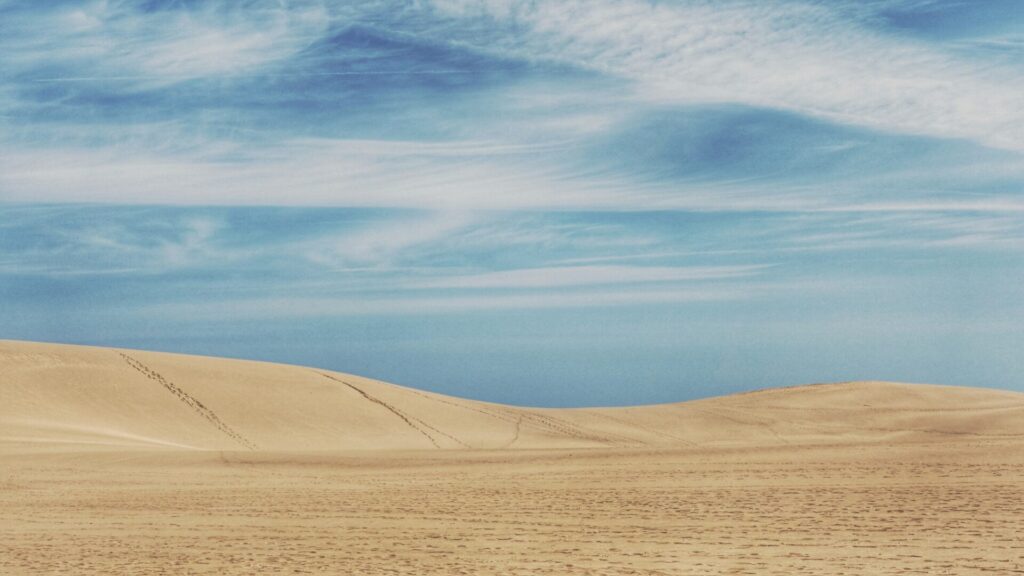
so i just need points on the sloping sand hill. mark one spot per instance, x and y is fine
(128, 462)
(60, 395)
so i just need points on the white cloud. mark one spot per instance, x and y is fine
(141, 244)
(818, 58)
(298, 307)
(1005, 203)
(381, 243)
(814, 58)
(327, 173)
(445, 178)
(590, 275)
(116, 41)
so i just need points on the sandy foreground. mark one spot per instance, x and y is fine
(128, 462)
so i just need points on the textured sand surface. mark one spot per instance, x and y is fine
(128, 462)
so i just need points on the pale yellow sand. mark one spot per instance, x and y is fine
(126, 462)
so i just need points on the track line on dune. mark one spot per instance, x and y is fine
(647, 430)
(563, 427)
(514, 417)
(189, 400)
(463, 406)
(521, 417)
(405, 418)
(442, 433)
(737, 420)
(515, 437)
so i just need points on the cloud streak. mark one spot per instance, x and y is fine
(470, 105)
(656, 295)
(152, 44)
(822, 59)
(591, 275)
(690, 193)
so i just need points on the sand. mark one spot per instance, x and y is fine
(131, 462)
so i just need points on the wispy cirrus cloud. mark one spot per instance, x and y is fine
(149, 44)
(385, 243)
(824, 59)
(500, 105)
(433, 305)
(559, 276)
(834, 60)
(702, 183)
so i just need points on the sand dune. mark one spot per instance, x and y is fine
(100, 397)
(129, 462)
(60, 394)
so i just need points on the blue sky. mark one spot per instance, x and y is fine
(546, 203)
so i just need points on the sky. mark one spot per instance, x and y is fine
(548, 203)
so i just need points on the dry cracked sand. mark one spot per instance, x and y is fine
(130, 462)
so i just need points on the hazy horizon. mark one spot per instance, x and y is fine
(554, 204)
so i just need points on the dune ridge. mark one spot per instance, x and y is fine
(89, 397)
(132, 462)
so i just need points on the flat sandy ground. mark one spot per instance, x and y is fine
(956, 509)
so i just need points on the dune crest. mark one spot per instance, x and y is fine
(131, 462)
(58, 396)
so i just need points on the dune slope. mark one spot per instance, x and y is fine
(58, 396)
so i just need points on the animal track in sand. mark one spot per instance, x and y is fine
(189, 400)
(405, 417)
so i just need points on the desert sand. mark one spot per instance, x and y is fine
(131, 462)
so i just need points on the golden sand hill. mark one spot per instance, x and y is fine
(129, 462)
(55, 396)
